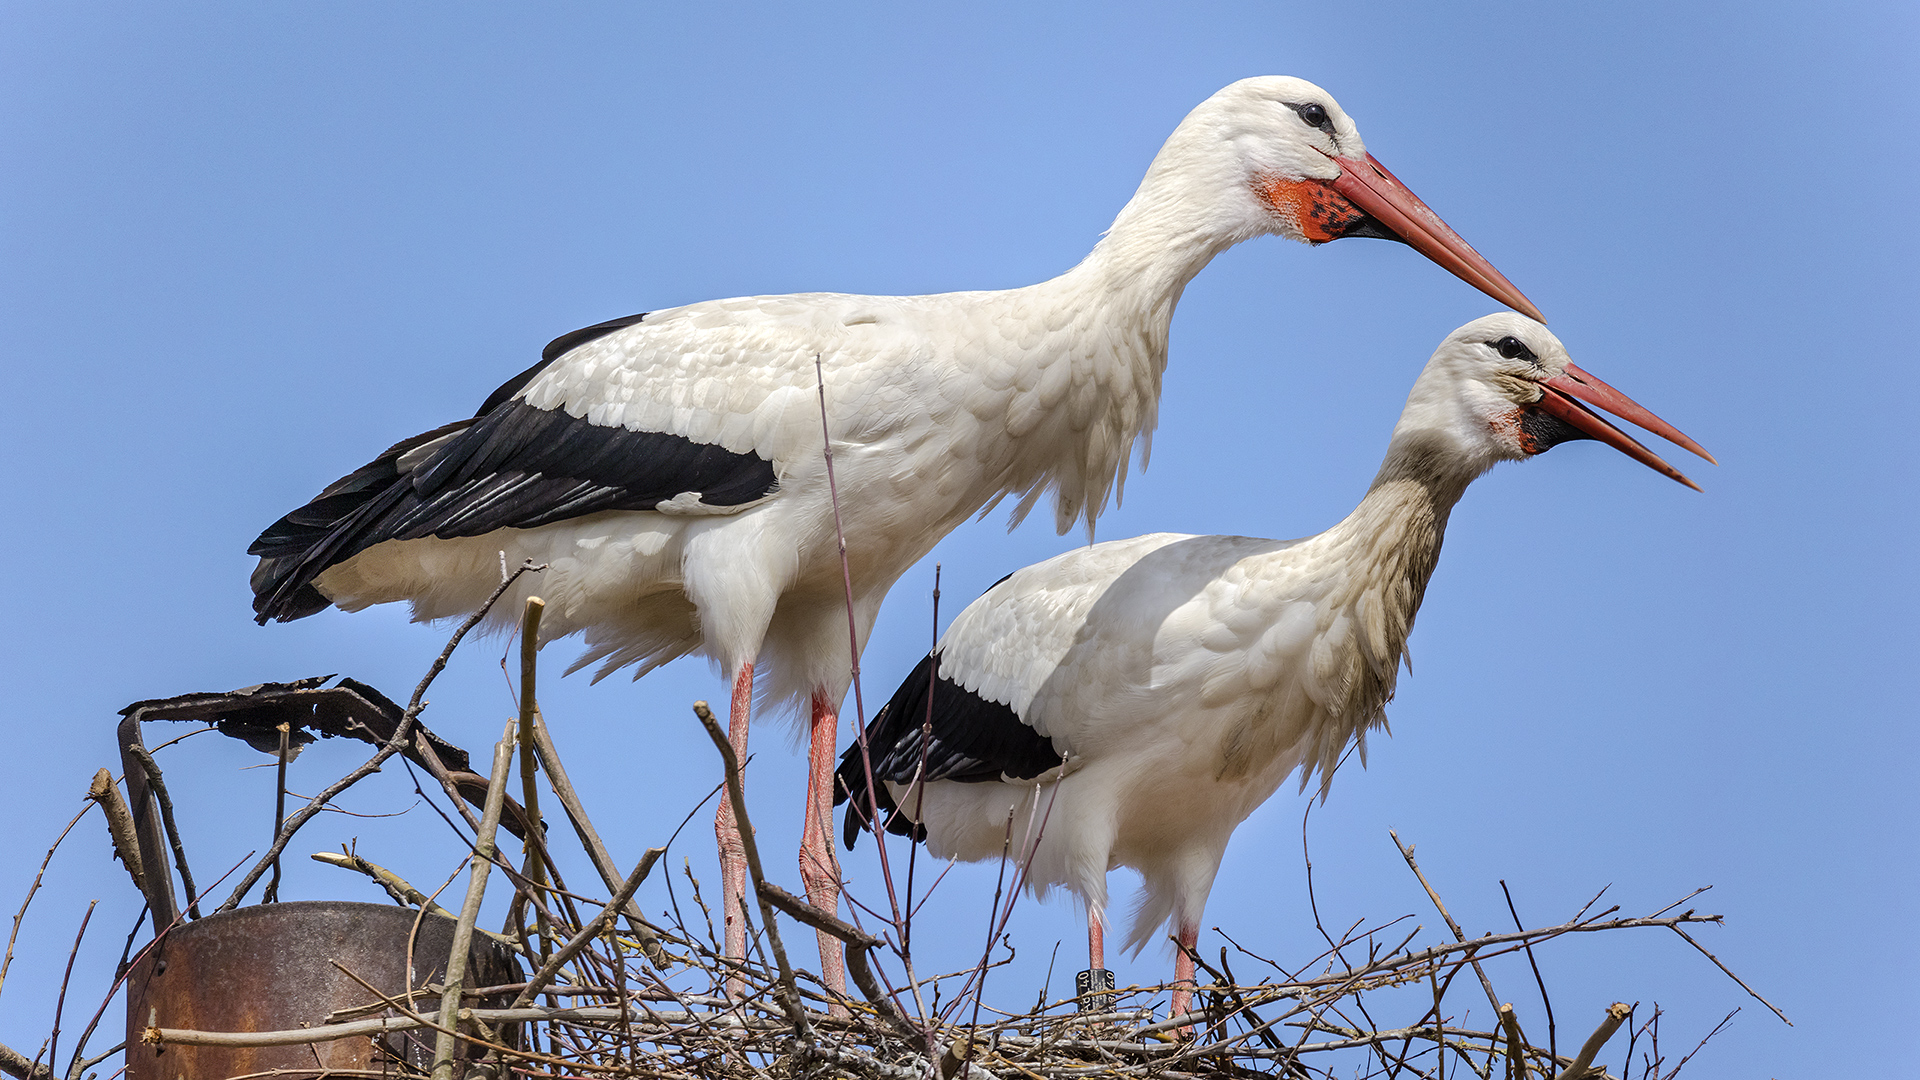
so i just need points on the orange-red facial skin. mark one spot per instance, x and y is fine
(1317, 211)
(1507, 426)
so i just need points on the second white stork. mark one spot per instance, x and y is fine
(668, 468)
(1130, 703)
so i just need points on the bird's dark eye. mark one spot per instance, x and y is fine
(1514, 349)
(1314, 115)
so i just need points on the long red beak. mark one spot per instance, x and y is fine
(1561, 399)
(1369, 186)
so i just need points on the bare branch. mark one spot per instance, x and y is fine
(789, 993)
(481, 866)
(1616, 1013)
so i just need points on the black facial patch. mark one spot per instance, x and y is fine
(517, 467)
(973, 741)
(1540, 432)
(1313, 114)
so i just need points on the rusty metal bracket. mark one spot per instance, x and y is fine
(253, 714)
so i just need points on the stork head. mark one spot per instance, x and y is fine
(1502, 388)
(1291, 163)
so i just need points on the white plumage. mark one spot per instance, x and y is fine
(603, 463)
(1141, 697)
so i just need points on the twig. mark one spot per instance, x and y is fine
(1553, 1040)
(1616, 1012)
(158, 784)
(480, 867)
(396, 886)
(789, 993)
(1729, 973)
(590, 931)
(858, 944)
(1682, 1063)
(271, 894)
(920, 774)
(60, 1003)
(534, 867)
(34, 888)
(900, 918)
(1406, 852)
(590, 839)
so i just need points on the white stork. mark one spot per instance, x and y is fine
(668, 467)
(1130, 703)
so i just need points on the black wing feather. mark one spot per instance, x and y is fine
(513, 467)
(973, 741)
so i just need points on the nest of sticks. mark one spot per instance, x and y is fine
(615, 994)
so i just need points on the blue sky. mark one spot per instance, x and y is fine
(244, 247)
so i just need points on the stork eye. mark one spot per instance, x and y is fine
(1514, 349)
(1314, 115)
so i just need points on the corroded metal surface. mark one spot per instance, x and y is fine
(275, 967)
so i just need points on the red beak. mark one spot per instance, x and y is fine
(1561, 399)
(1369, 186)
(1590, 389)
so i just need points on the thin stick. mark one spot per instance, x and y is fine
(159, 785)
(78, 1066)
(534, 866)
(34, 888)
(271, 894)
(859, 701)
(480, 867)
(1682, 1063)
(401, 734)
(1616, 1012)
(1731, 975)
(858, 943)
(840, 536)
(60, 1003)
(789, 993)
(590, 839)
(1406, 852)
(590, 931)
(402, 890)
(920, 774)
(1553, 1042)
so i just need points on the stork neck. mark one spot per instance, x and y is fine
(1158, 242)
(1396, 531)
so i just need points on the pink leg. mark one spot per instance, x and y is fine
(819, 869)
(1094, 986)
(733, 854)
(1183, 974)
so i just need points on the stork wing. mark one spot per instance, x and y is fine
(971, 724)
(515, 465)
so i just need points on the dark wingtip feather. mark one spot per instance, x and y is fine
(973, 741)
(573, 339)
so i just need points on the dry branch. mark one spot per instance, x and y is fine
(1577, 1068)
(480, 868)
(788, 993)
(590, 838)
(119, 825)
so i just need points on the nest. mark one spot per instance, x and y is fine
(613, 993)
